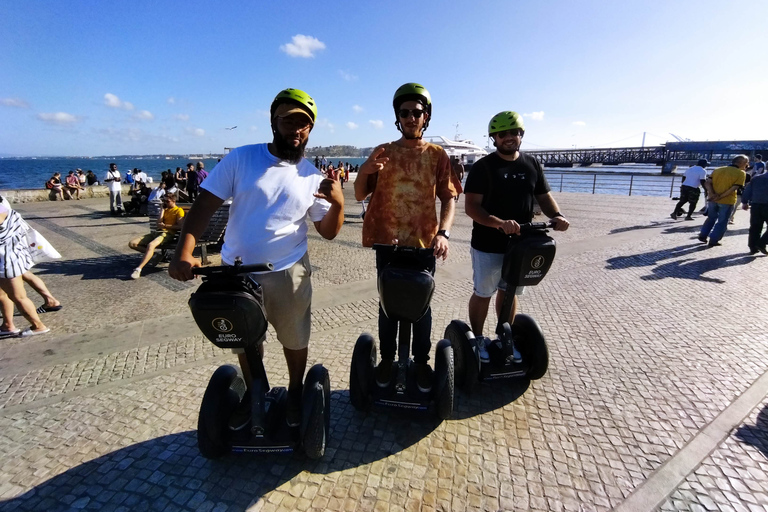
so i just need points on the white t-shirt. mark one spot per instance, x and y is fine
(113, 186)
(694, 175)
(156, 194)
(271, 199)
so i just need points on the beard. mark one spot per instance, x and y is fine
(287, 151)
(504, 151)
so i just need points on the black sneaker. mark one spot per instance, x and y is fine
(762, 249)
(702, 239)
(714, 244)
(689, 218)
(673, 215)
(424, 377)
(293, 407)
(752, 251)
(384, 373)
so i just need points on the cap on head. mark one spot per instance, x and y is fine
(703, 162)
(506, 120)
(291, 101)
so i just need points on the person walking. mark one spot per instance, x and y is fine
(499, 196)
(404, 178)
(755, 199)
(15, 260)
(273, 189)
(695, 177)
(721, 196)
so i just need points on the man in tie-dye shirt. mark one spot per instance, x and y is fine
(404, 178)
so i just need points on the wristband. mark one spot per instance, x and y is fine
(558, 214)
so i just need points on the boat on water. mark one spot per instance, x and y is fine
(466, 148)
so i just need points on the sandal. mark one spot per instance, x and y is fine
(48, 309)
(9, 334)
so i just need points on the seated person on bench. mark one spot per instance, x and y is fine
(169, 222)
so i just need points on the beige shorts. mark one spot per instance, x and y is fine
(288, 302)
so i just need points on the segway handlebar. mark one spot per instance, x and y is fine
(531, 226)
(404, 249)
(232, 270)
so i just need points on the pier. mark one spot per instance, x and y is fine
(668, 156)
(656, 396)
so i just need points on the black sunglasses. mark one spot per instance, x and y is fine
(509, 133)
(405, 113)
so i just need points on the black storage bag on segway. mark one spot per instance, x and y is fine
(230, 311)
(528, 258)
(405, 293)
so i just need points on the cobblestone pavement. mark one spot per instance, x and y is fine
(655, 348)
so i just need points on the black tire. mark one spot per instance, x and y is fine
(361, 372)
(444, 377)
(465, 363)
(223, 394)
(532, 346)
(316, 413)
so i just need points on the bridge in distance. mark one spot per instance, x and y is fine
(668, 156)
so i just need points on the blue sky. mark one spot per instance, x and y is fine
(103, 78)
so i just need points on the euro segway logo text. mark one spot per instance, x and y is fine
(222, 324)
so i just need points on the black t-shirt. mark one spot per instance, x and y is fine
(508, 190)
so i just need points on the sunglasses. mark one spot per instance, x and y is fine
(509, 133)
(405, 113)
(293, 124)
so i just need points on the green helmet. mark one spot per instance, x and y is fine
(295, 96)
(412, 92)
(506, 120)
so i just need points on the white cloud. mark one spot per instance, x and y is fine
(346, 75)
(324, 123)
(351, 125)
(197, 132)
(181, 117)
(14, 102)
(303, 46)
(58, 118)
(254, 128)
(171, 100)
(579, 123)
(378, 124)
(357, 108)
(113, 101)
(536, 116)
(145, 115)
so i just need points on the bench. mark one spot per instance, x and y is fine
(212, 235)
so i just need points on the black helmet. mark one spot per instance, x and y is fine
(702, 162)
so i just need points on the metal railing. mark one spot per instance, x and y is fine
(614, 183)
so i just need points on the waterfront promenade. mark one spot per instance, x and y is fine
(656, 395)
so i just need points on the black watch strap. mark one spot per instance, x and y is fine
(445, 234)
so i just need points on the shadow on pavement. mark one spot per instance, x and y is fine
(685, 268)
(168, 472)
(100, 267)
(757, 434)
(488, 396)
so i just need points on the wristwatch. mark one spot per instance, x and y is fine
(445, 233)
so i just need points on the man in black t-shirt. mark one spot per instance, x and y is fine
(499, 196)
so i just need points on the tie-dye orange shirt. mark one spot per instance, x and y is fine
(402, 205)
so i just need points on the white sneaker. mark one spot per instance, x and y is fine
(136, 273)
(482, 352)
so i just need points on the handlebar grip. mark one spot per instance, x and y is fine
(232, 270)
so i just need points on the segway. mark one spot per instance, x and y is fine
(405, 291)
(228, 308)
(527, 260)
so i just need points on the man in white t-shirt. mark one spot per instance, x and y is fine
(690, 190)
(113, 182)
(273, 190)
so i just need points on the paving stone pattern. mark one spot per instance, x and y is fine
(651, 337)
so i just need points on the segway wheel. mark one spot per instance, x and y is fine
(532, 346)
(223, 394)
(465, 361)
(361, 372)
(316, 412)
(444, 376)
